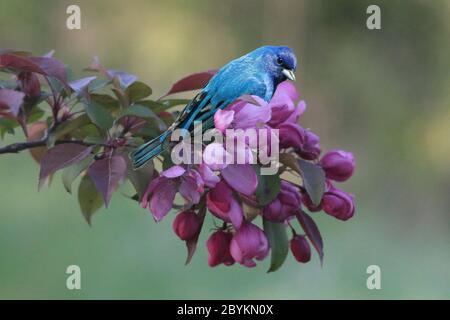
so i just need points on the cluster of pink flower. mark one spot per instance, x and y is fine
(224, 189)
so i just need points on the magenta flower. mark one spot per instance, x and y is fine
(218, 246)
(307, 202)
(209, 177)
(241, 177)
(338, 165)
(242, 115)
(248, 243)
(283, 107)
(286, 204)
(186, 225)
(300, 248)
(223, 204)
(229, 177)
(311, 146)
(291, 135)
(338, 204)
(164, 188)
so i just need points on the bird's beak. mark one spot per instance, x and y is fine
(289, 74)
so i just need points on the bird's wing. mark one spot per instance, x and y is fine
(251, 87)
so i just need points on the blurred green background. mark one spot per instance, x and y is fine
(382, 94)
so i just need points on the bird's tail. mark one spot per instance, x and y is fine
(148, 150)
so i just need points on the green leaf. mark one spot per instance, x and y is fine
(98, 84)
(137, 111)
(167, 162)
(137, 91)
(67, 127)
(8, 125)
(105, 101)
(35, 114)
(89, 198)
(94, 139)
(155, 106)
(279, 243)
(250, 212)
(139, 178)
(268, 187)
(69, 174)
(313, 180)
(99, 115)
(168, 103)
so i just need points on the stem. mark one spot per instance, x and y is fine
(17, 147)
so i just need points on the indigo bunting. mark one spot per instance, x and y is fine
(256, 73)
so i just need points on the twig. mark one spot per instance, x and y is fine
(17, 147)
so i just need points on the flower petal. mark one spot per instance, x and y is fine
(215, 156)
(251, 115)
(223, 119)
(173, 172)
(241, 177)
(162, 199)
(208, 176)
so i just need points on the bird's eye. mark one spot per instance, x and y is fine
(279, 61)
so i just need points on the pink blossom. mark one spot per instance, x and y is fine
(338, 204)
(338, 165)
(248, 243)
(311, 146)
(300, 248)
(163, 189)
(223, 204)
(283, 106)
(218, 246)
(186, 225)
(241, 177)
(286, 204)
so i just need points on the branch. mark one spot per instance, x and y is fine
(17, 147)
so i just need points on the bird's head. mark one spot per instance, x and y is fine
(279, 60)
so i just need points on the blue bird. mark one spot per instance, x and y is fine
(256, 73)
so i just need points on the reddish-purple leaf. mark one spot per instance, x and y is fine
(106, 174)
(312, 232)
(61, 156)
(51, 67)
(18, 62)
(42, 65)
(191, 244)
(12, 100)
(192, 82)
(29, 84)
(15, 52)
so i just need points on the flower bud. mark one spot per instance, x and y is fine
(307, 202)
(221, 202)
(291, 135)
(311, 146)
(218, 246)
(285, 204)
(338, 204)
(300, 248)
(186, 225)
(338, 165)
(248, 243)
